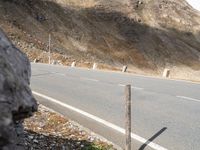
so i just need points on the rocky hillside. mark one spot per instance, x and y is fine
(145, 34)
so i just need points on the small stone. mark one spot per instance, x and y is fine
(35, 141)
(30, 137)
(82, 145)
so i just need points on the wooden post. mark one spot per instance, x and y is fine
(49, 48)
(128, 116)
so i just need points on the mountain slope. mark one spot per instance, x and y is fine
(148, 34)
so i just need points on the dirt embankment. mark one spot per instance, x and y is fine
(146, 35)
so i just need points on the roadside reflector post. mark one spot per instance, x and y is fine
(128, 117)
(35, 60)
(73, 64)
(94, 66)
(166, 73)
(124, 69)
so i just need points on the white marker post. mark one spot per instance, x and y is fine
(166, 73)
(94, 66)
(124, 69)
(73, 64)
(49, 48)
(128, 117)
(35, 61)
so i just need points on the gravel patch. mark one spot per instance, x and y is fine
(48, 130)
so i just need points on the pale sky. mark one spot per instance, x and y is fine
(195, 3)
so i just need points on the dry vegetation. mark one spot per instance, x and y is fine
(147, 35)
(48, 130)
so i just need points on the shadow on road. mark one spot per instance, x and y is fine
(152, 138)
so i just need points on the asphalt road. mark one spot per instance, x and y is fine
(165, 112)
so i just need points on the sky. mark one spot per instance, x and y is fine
(195, 3)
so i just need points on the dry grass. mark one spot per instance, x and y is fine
(79, 3)
(49, 130)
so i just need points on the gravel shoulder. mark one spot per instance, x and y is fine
(48, 130)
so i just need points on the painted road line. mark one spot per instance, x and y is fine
(137, 88)
(101, 121)
(61, 74)
(88, 79)
(82, 78)
(121, 85)
(188, 98)
(133, 87)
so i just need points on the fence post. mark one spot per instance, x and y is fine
(128, 117)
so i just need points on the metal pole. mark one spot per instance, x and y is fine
(49, 48)
(128, 117)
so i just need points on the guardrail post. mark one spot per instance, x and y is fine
(128, 117)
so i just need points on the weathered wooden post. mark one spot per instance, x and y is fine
(128, 117)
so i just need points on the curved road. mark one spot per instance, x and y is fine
(165, 113)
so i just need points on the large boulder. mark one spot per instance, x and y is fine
(16, 99)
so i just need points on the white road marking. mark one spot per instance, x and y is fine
(121, 85)
(133, 87)
(137, 88)
(189, 98)
(61, 74)
(54, 72)
(104, 122)
(83, 78)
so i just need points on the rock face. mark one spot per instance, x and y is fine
(16, 99)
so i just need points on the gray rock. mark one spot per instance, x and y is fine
(16, 99)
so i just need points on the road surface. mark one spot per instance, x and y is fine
(165, 113)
